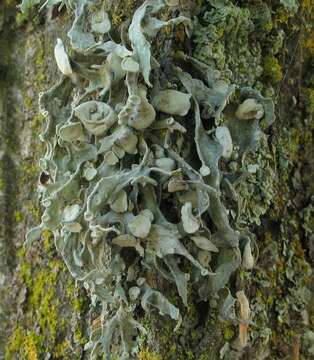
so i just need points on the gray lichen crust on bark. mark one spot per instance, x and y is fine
(167, 188)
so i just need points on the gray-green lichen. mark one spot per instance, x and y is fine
(114, 158)
(221, 36)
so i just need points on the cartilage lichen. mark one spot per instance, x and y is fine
(114, 157)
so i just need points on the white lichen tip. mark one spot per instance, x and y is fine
(172, 102)
(62, 58)
(250, 109)
(189, 221)
(247, 257)
(223, 136)
(140, 225)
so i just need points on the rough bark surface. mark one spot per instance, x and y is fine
(267, 45)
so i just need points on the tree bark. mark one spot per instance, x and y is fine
(266, 45)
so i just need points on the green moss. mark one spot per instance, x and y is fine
(74, 297)
(25, 274)
(79, 337)
(194, 335)
(42, 308)
(28, 102)
(270, 300)
(44, 298)
(21, 19)
(2, 184)
(18, 216)
(28, 18)
(20, 253)
(61, 349)
(272, 69)
(145, 354)
(47, 239)
(31, 342)
(267, 27)
(10, 2)
(24, 344)
(227, 330)
(15, 343)
(309, 100)
(307, 30)
(205, 357)
(37, 122)
(121, 13)
(41, 72)
(40, 56)
(282, 16)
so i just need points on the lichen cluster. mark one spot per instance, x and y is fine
(142, 159)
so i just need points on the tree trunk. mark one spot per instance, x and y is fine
(266, 45)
